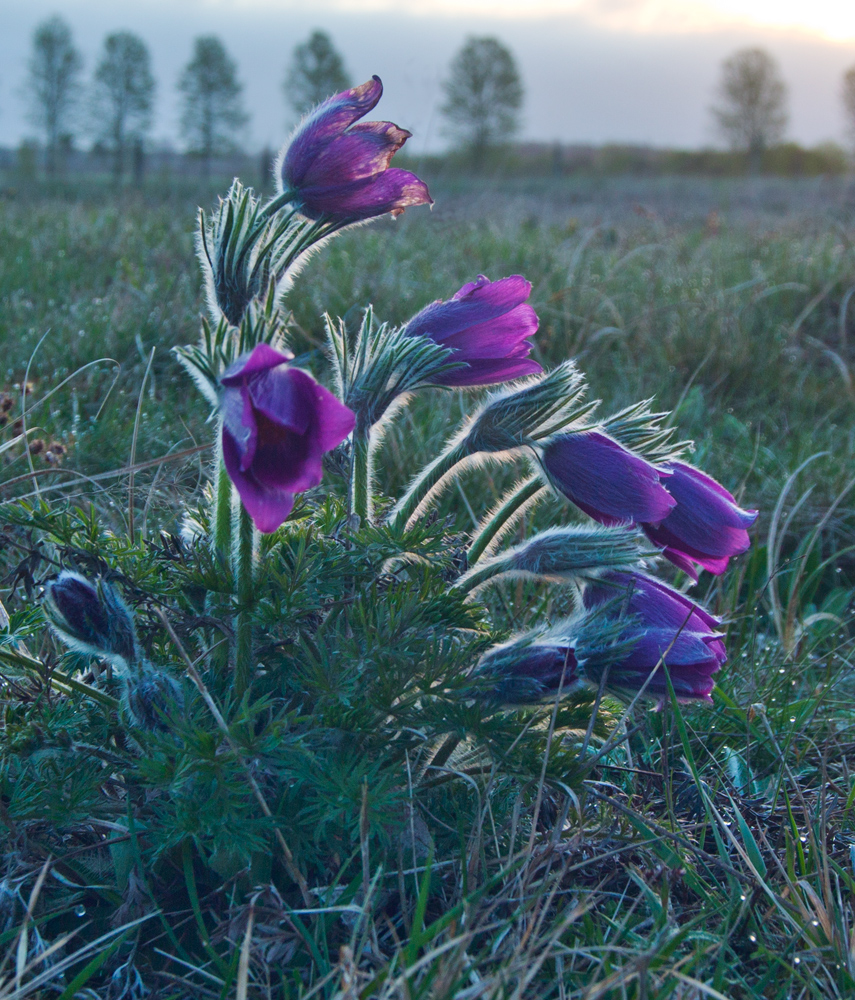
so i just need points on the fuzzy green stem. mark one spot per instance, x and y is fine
(222, 512)
(244, 560)
(426, 482)
(489, 528)
(481, 574)
(361, 473)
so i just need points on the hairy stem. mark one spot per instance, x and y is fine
(361, 474)
(481, 574)
(244, 568)
(428, 480)
(509, 507)
(222, 519)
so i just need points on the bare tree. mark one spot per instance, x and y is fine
(211, 94)
(848, 95)
(124, 95)
(54, 72)
(752, 114)
(317, 71)
(484, 95)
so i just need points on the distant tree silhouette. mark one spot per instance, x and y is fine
(316, 72)
(752, 113)
(484, 95)
(848, 95)
(211, 96)
(124, 95)
(54, 71)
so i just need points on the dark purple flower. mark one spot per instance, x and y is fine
(91, 618)
(338, 167)
(662, 625)
(705, 527)
(605, 480)
(277, 424)
(487, 324)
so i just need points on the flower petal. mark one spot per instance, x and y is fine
(261, 358)
(363, 151)
(391, 191)
(488, 372)
(268, 506)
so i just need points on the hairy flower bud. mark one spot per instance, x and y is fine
(153, 698)
(528, 413)
(524, 672)
(91, 618)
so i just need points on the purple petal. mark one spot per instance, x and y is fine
(362, 152)
(326, 122)
(477, 302)
(655, 602)
(285, 396)
(487, 372)
(495, 337)
(262, 358)
(605, 480)
(237, 416)
(335, 420)
(267, 506)
(391, 191)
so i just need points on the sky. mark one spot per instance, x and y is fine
(594, 71)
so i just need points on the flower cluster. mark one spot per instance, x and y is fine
(277, 422)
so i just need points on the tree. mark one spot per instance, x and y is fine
(848, 95)
(211, 93)
(317, 71)
(484, 95)
(753, 112)
(54, 67)
(124, 93)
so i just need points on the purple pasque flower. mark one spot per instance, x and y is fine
(487, 325)
(605, 480)
(277, 424)
(338, 167)
(662, 626)
(706, 527)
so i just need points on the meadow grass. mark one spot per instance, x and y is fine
(712, 851)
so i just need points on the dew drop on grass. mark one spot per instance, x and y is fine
(797, 960)
(815, 923)
(80, 910)
(752, 938)
(792, 718)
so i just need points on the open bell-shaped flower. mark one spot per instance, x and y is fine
(337, 167)
(277, 424)
(706, 526)
(487, 325)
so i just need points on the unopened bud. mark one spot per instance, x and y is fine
(91, 618)
(153, 699)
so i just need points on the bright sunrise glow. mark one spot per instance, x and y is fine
(833, 19)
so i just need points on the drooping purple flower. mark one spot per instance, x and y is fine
(662, 626)
(338, 167)
(604, 479)
(487, 324)
(706, 527)
(277, 424)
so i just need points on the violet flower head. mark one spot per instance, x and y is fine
(338, 167)
(277, 424)
(706, 527)
(91, 618)
(605, 480)
(662, 626)
(487, 325)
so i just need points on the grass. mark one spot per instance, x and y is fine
(708, 854)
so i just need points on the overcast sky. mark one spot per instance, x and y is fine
(639, 71)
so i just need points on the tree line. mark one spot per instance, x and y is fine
(482, 108)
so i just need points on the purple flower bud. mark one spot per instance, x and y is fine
(91, 618)
(604, 479)
(277, 424)
(661, 625)
(516, 673)
(705, 527)
(487, 324)
(338, 167)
